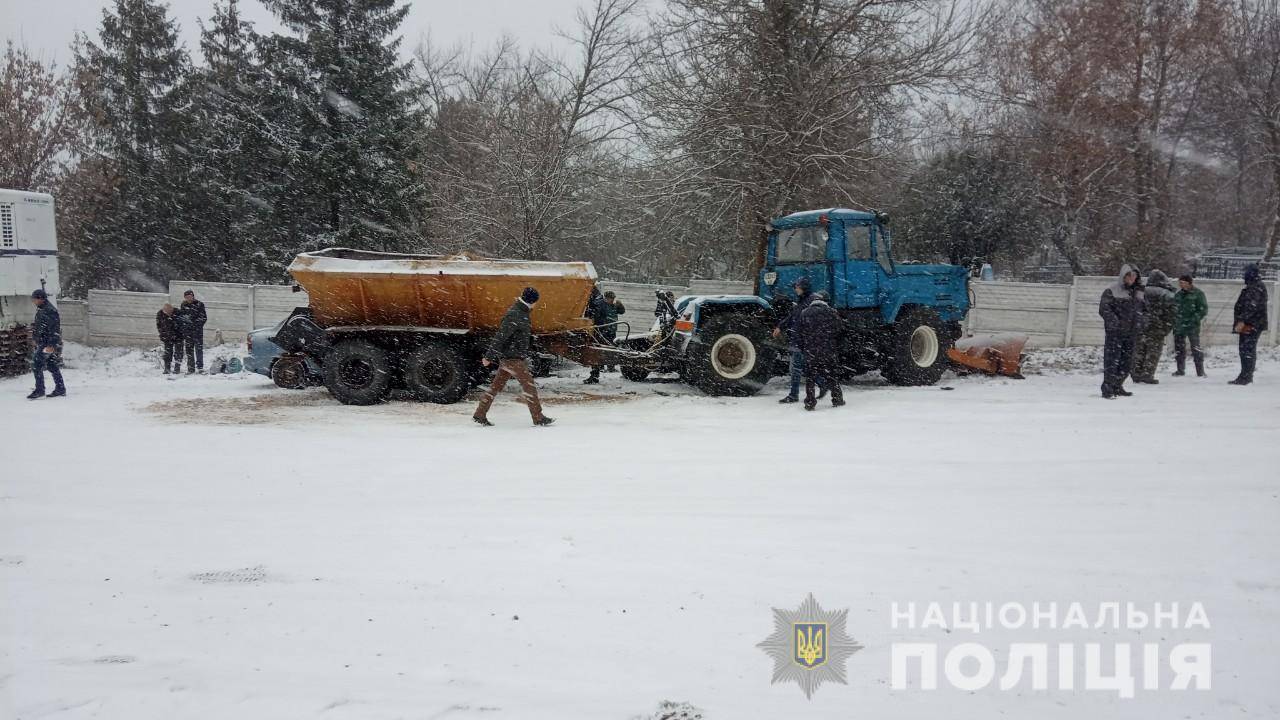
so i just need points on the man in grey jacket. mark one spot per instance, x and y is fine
(510, 351)
(1123, 311)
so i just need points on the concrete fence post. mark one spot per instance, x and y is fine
(1071, 313)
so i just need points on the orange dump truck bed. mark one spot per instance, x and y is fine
(361, 288)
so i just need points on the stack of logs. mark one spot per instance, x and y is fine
(15, 351)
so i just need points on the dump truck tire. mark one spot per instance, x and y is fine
(916, 352)
(289, 373)
(437, 372)
(357, 372)
(733, 357)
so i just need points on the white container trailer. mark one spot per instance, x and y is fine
(28, 253)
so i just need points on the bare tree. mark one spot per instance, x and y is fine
(756, 109)
(40, 122)
(518, 141)
(1250, 48)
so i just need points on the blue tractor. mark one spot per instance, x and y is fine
(899, 318)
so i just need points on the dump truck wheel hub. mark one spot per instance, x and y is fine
(924, 346)
(733, 356)
(357, 373)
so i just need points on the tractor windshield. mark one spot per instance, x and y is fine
(802, 245)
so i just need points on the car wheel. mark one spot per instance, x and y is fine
(289, 372)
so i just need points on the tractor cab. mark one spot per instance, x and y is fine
(844, 253)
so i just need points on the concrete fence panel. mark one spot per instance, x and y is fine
(117, 317)
(74, 315)
(1037, 310)
(273, 303)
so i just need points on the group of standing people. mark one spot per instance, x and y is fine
(1137, 318)
(813, 330)
(181, 330)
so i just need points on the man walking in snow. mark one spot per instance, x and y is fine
(1162, 311)
(510, 351)
(1122, 311)
(1192, 309)
(171, 336)
(46, 332)
(819, 331)
(191, 319)
(1250, 322)
(790, 326)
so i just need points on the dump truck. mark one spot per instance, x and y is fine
(382, 321)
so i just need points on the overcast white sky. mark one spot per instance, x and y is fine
(47, 26)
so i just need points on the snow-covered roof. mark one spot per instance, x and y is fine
(810, 217)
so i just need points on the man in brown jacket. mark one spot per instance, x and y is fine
(510, 350)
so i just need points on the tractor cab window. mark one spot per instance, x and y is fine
(882, 251)
(857, 242)
(802, 245)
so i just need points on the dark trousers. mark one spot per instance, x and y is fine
(195, 352)
(824, 377)
(607, 336)
(39, 361)
(1248, 355)
(507, 369)
(173, 354)
(1180, 350)
(1117, 360)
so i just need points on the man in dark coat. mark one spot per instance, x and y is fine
(46, 332)
(191, 320)
(819, 331)
(603, 311)
(1192, 309)
(1162, 312)
(171, 336)
(788, 325)
(510, 351)
(1122, 311)
(1250, 322)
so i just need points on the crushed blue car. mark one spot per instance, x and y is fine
(289, 371)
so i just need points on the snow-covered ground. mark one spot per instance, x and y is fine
(213, 547)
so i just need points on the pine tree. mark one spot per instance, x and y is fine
(233, 157)
(339, 78)
(131, 81)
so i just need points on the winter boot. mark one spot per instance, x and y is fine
(789, 399)
(544, 421)
(481, 421)
(58, 392)
(35, 395)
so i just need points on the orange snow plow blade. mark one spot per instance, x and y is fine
(992, 354)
